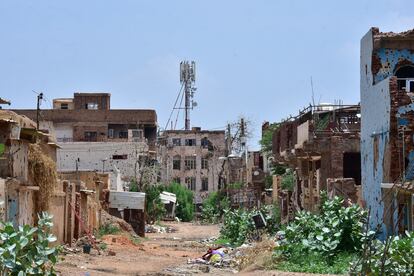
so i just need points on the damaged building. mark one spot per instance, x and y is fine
(94, 137)
(387, 134)
(322, 147)
(191, 158)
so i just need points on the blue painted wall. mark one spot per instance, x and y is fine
(389, 59)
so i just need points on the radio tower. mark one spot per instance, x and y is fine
(187, 78)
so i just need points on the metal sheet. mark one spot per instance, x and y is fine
(126, 200)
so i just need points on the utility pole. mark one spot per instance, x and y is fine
(39, 99)
(244, 144)
(187, 78)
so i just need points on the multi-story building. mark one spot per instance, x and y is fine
(192, 158)
(94, 137)
(320, 144)
(387, 129)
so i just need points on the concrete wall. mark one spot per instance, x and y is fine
(63, 132)
(375, 126)
(91, 154)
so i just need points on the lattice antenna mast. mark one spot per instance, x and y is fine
(187, 78)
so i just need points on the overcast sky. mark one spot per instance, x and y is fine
(254, 58)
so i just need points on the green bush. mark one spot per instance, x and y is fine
(288, 180)
(238, 225)
(213, 207)
(395, 259)
(154, 208)
(334, 230)
(300, 259)
(327, 242)
(27, 250)
(185, 204)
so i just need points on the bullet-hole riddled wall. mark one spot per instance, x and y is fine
(387, 128)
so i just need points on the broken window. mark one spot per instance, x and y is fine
(191, 183)
(352, 166)
(120, 156)
(405, 77)
(204, 184)
(64, 106)
(177, 163)
(190, 142)
(190, 163)
(91, 136)
(204, 163)
(176, 141)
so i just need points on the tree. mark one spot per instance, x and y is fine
(267, 138)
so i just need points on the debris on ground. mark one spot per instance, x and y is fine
(107, 219)
(152, 228)
(220, 259)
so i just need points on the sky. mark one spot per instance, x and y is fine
(254, 58)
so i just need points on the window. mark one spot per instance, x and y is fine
(190, 163)
(123, 134)
(91, 106)
(137, 133)
(120, 156)
(205, 142)
(64, 106)
(110, 133)
(177, 163)
(176, 141)
(190, 142)
(204, 184)
(204, 163)
(90, 136)
(177, 180)
(191, 183)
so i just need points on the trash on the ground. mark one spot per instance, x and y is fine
(158, 229)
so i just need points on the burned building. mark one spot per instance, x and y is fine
(94, 137)
(191, 158)
(387, 129)
(319, 144)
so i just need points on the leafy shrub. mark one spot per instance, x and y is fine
(213, 207)
(327, 242)
(336, 229)
(185, 205)
(395, 259)
(299, 259)
(27, 250)
(238, 225)
(155, 209)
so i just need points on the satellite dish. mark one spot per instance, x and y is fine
(195, 104)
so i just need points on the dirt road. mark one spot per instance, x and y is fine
(157, 254)
(151, 255)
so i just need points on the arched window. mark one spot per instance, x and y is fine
(405, 75)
